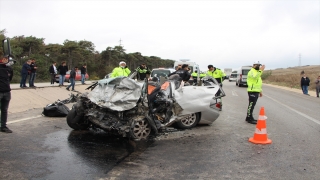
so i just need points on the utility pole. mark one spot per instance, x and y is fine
(300, 59)
(120, 42)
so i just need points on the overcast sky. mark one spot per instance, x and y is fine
(222, 33)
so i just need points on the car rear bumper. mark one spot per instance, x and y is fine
(209, 116)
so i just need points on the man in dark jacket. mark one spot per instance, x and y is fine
(63, 68)
(33, 73)
(72, 78)
(53, 72)
(317, 86)
(6, 75)
(83, 70)
(305, 81)
(24, 73)
(183, 73)
(142, 72)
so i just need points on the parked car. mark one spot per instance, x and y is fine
(78, 76)
(233, 77)
(164, 72)
(161, 72)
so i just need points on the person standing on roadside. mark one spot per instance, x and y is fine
(33, 73)
(143, 72)
(24, 73)
(6, 74)
(83, 73)
(63, 68)
(254, 89)
(122, 70)
(53, 71)
(318, 86)
(72, 78)
(305, 82)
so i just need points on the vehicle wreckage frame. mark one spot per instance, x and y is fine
(130, 108)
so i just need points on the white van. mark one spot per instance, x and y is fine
(233, 76)
(242, 76)
(192, 65)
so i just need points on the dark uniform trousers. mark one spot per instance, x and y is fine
(4, 105)
(253, 97)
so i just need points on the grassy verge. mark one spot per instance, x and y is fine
(291, 77)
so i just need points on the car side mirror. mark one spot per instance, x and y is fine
(6, 48)
(7, 51)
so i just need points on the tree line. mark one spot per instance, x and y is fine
(74, 53)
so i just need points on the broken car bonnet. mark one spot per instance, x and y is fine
(118, 94)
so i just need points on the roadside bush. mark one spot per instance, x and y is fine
(291, 79)
(94, 76)
(266, 74)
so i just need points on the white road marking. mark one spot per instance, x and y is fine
(234, 93)
(298, 112)
(24, 119)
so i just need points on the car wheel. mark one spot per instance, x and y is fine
(189, 121)
(76, 122)
(236, 83)
(140, 129)
(229, 80)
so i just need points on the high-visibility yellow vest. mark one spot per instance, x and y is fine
(254, 80)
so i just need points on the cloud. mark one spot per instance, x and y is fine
(223, 33)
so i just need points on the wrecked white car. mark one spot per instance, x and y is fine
(137, 110)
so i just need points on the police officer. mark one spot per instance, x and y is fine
(194, 76)
(143, 72)
(254, 89)
(122, 70)
(217, 74)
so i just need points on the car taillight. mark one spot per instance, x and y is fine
(218, 105)
(240, 76)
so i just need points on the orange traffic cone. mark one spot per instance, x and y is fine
(260, 135)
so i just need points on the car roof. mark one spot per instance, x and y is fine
(162, 71)
(170, 69)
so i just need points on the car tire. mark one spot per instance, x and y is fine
(76, 122)
(188, 122)
(236, 83)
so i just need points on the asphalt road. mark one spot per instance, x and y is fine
(46, 148)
